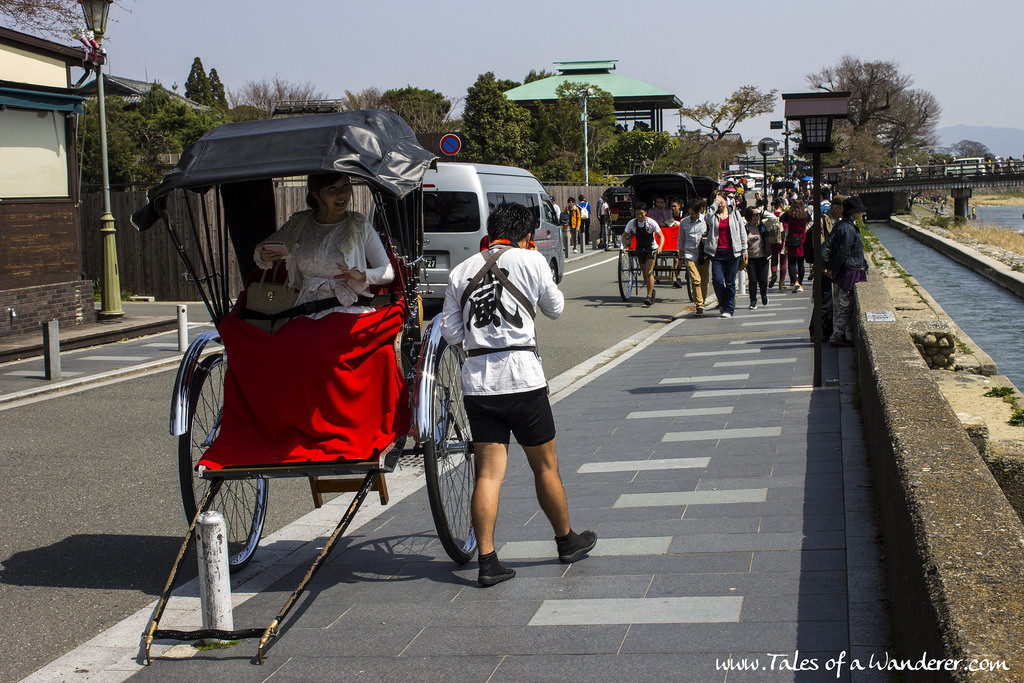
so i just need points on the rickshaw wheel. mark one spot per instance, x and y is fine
(448, 458)
(243, 502)
(628, 275)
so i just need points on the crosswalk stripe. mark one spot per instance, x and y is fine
(773, 322)
(739, 363)
(680, 412)
(119, 359)
(705, 354)
(714, 434)
(715, 393)
(606, 611)
(643, 465)
(704, 378)
(683, 498)
(606, 547)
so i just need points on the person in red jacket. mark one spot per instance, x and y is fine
(795, 223)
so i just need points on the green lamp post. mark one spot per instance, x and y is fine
(96, 12)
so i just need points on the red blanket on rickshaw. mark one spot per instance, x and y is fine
(314, 391)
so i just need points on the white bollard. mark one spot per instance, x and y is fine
(214, 571)
(182, 327)
(51, 350)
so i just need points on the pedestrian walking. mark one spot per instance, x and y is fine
(693, 231)
(649, 242)
(794, 222)
(489, 306)
(778, 254)
(584, 207)
(845, 266)
(574, 223)
(757, 255)
(727, 245)
(604, 220)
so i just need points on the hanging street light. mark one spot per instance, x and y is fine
(816, 112)
(95, 12)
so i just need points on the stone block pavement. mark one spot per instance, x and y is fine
(735, 519)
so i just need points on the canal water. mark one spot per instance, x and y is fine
(989, 314)
(1010, 217)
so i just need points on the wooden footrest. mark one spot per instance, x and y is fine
(322, 485)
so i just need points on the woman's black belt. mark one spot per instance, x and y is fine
(308, 308)
(485, 351)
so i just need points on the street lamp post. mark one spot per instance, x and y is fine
(95, 12)
(816, 112)
(586, 147)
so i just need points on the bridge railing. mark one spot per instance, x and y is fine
(964, 169)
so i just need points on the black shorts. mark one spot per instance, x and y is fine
(492, 418)
(644, 255)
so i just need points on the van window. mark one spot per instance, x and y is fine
(527, 200)
(451, 212)
(549, 213)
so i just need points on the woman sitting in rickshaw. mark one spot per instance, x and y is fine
(333, 254)
(326, 385)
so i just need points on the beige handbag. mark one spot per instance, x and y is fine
(265, 301)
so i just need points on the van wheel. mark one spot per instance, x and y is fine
(554, 271)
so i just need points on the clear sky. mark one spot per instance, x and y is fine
(966, 54)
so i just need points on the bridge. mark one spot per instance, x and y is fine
(959, 177)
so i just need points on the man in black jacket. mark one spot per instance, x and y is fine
(845, 265)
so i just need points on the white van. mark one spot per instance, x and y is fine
(457, 198)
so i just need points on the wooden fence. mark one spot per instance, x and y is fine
(149, 263)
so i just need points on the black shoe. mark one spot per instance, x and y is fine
(648, 301)
(678, 284)
(574, 546)
(492, 571)
(771, 283)
(753, 304)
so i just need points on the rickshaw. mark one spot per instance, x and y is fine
(230, 182)
(645, 188)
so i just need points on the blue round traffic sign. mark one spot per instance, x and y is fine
(451, 144)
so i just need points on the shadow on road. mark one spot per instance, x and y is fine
(104, 561)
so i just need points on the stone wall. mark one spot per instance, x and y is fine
(24, 310)
(954, 545)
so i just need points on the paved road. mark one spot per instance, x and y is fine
(92, 518)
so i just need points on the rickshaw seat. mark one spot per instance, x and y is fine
(316, 391)
(671, 235)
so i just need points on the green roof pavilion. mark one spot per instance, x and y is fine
(634, 100)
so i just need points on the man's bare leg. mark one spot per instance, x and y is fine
(491, 460)
(550, 493)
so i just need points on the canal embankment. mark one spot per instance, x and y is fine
(954, 540)
(991, 268)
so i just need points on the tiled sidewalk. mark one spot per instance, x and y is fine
(733, 507)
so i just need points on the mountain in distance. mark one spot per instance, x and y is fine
(1003, 142)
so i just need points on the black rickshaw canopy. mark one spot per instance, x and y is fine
(374, 145)
(682, 186)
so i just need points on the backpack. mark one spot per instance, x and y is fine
(584, 212)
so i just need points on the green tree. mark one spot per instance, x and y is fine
(558, 130)
(535, 75)
(636, 151)
(142, 137)
(218, 94)
(494, 129)
(426, 111)
(718, 120)
(197, 85)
